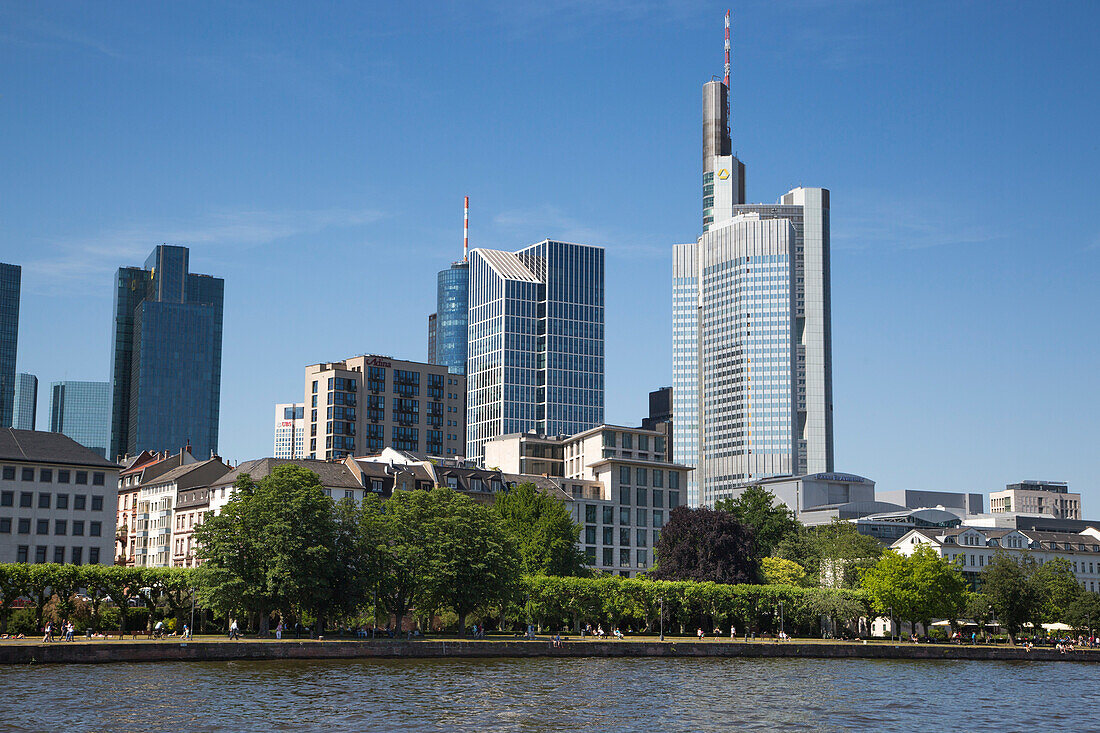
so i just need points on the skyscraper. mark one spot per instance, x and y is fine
(752, 365)
(536, 341)
(290, 430)
(82, 411)
(447, 335)
(25, 405)
(166, 366)
(10, 276)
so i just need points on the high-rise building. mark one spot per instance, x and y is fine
(660, 416)
(536, 342)
(25, 404)
(447, 327)
(10, 277)
(290, 430)
(752, 366)
(166, 365)
(361, 405)
(82, 411)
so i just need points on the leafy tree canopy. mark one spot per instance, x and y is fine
(777, 571)
(757, 509)
(705, 545)
(542, 531)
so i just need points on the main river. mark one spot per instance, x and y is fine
(552, 695)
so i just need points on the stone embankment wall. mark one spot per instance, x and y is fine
(159, 651)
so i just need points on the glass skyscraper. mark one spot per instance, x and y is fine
(447, 327)
(166, 367)
(536, 342)
(751, 341)
(25, 409)
(82, 411)
(10, 276)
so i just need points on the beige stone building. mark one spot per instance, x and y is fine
(363, 404)
(1037, 497)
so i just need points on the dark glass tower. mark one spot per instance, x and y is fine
(82, 411)
(166, 369)
(10, 276)
(447, 326)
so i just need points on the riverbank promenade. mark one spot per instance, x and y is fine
(211, 648)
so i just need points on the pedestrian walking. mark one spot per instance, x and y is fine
(279, 630)
(733, 632)
(186, 631)
(47, 632)
(69, 631)
(233, 629)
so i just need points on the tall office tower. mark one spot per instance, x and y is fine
(447, 336)
(25, 405)
(290, 430)
(752, 365)
(536, 343)
(166, 365)
(82, 411)
(10, 276)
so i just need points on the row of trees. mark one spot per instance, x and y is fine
(64, 592)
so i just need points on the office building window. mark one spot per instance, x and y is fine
(40, 553)
(658, 498)
(79, 502)
(62, 475)
(641, 477)
(608, 515)
(59, 555)
(26, 499)
(93, 556)
(59, 526)
(640, 517)
(590, 535)
(97, 503)
(21, 553)
(658, 519)
(608, 557)
(673, 480)
(609, 535)
(7, 498)
(642, 496)
(641, 537)
(5, 525)
(82, 477)
(624, 515)
(624, 474)
(24, 525)
(62, 501)
(624, 556)
(98, 478)
(45, 475)
(624, 494)
(9, 473)
(78, 527)
(590, 513)
(658, 478)
(673, 499)
(95, 529)
(28, 474)
(78, 555)
(44, 501)
(42, 526)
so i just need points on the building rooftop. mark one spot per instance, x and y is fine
(39, 446)
(332, 475)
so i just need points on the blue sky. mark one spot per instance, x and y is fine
(315, 155)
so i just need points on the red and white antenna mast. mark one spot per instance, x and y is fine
(466, 231)
(727, 79)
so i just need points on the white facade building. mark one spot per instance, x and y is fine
(1037, 497)
(290, 430)
(976, 547)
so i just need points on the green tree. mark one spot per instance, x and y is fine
(979, 608)
(777, 571)
(770, 522)
(1057, 586)
(890, 587)
(398, 534)
(14, 583)
(542, 531)
(271, 545)
(942, 587)
(832, 554)
(122, 585)
(473, 561)
(1009, 587)
(1084, 612)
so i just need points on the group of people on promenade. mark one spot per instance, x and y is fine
(67, 630)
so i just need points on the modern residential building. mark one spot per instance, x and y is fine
(616, 481)
(363, 404)
(752, 374)
(10, 280)
(976, 546)
(290, 430)
(137, 471)
(158, 517)
(57, 500)
(82, 410)
(166, 363)
(25, 404)
(447, 327)
(536, 342)
(1037, 497)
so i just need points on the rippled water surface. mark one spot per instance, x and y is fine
(553, 695)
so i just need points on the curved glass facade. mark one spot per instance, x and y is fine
(451, 317)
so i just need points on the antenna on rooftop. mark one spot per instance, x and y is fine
(466, 231)
(729, 103)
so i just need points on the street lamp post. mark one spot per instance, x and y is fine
(890, 620)
(662, 618)
(781, 633)
(192, 626)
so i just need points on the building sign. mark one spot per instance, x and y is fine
(375, 361)
(723, 174)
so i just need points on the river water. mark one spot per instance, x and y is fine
(553, 695)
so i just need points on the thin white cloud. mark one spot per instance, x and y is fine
(69, 263)
(896, 224)
(526, 226)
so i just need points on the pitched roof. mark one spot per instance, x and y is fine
(507, 265)
(42, 447)
(332, 475)
(180, 471)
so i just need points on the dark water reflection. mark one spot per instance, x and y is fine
(552, 695)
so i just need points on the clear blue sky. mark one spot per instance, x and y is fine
(315, 156)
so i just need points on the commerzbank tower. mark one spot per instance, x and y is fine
(751, 351)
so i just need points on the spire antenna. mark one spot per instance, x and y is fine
(466, 231)
(727, 79)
